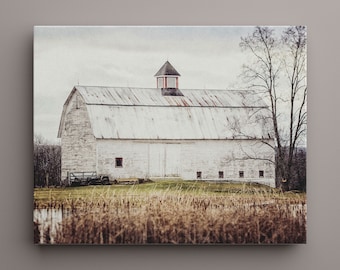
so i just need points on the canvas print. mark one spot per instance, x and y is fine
(186, 135)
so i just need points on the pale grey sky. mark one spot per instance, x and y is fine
(206, 57)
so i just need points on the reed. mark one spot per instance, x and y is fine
(178, 214)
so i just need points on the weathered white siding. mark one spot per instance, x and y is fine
(184, 158)
(78, 145)
(230, 157)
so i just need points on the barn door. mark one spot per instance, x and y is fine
(172, 160)
(164, 160)
(156, 160)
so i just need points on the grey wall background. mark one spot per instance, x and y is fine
(17, 19)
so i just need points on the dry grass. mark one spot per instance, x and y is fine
(177, 216)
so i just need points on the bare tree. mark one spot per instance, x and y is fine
(285, 57)
(295, 41)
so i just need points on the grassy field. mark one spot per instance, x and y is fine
(171, 212)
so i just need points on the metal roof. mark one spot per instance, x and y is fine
(143, 122)
(137, 113)
(167, 69)
(127, 96)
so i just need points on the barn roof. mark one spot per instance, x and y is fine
(127, 96)
(136, 113)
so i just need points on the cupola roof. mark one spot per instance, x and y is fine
(167, 69)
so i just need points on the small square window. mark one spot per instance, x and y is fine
(241, 174)
(220, 174)
(199, 175)
(261, 173)
(119, 162)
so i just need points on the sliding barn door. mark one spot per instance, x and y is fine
(164, 160)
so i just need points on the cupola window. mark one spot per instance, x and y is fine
(160, 82)
(171, 82)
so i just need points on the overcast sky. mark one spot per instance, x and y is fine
(206, 57)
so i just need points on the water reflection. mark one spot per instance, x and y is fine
(49, 222)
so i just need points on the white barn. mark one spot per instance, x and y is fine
(167, 132)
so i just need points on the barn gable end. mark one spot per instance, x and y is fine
(77, 139)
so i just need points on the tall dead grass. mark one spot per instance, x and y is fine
(174, 217)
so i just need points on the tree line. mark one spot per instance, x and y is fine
(46, 163)
(298, 178)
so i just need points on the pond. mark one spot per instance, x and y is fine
(48, 220)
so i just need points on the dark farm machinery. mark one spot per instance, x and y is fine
(85, 179)
(76, 179)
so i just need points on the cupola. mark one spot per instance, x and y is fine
(167, 80)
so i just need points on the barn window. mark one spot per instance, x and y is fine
(119, 162)
(199, 175)
(261, 173)
(241, 174)
(220, 174)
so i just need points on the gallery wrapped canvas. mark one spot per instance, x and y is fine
(170, 135)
